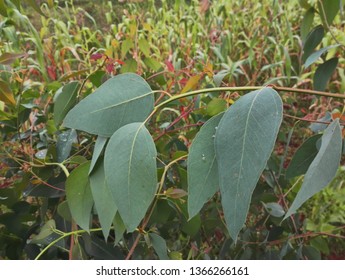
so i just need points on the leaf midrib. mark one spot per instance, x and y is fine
(244, 144)
(121, 103)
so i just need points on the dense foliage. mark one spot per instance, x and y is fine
(172, 129)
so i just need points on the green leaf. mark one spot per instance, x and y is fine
(3, 9)
(99, 146)
(144, 46)
(152, 63)
(274, 209)
(79, 196)
(311, 253)
(9, 58)
(126, 46)
(120, 100)
(323, 168)
(316, 55)
(319, 127)
(119, 228)
(307, 22)
(130, 170)
(46, 231)
(64, 211)
(323, 73)
(64, 100)
(202, 167)
(104, 201)
(159, 245)
(130, 66)
(216, 106)
(313, 39)
(244, 142)
(303, 157)
(64, 144)
(320, 243)
(328, 9)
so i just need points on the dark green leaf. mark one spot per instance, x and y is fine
(313, 39)
(79, 196)
(323, 168)
(64, 100)
(311, 253)
(316, 55)
(307, 22)
(320, 243)
(159, 245)
(303, 157)
(101, 250)
(130, 170)
(64, 212)
(99, 145)
(328, 9)
(64, 144)
(202, 167)
(104, 201)
(323, 73)
(244, 142)
(120, 100)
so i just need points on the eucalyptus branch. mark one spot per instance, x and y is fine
(64, 235)
(249, 88)
(148, 216)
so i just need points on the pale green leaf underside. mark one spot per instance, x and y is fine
(104, 201)
(244, 142)
(121, 100)
(202, 167)
(130, 170)
(79, 196)
(323, 168)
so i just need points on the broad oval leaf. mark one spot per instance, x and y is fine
(104, 201)
(64, 100)
(313, 39)
(121, 100)
(79, 196)
(202, 167)
(130, 170)
(323, 73)
(323, 168)
(244, 142)
(303, 157)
